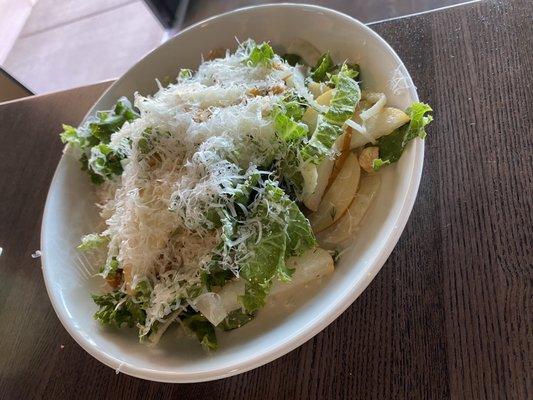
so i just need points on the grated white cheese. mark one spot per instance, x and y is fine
(203, 133)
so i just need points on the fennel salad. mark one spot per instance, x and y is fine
(236, 182)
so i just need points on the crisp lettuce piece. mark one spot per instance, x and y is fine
(235, 319)
(292, 59)
(104, 161)
(79, 138)
(254, 297)
(289, 171)
(321, 142)
(300, 236)
(287, 116)
(92, 139)
(184, 74)
(285, 232)
(346, 97)
(329, 125)
(108, 122)
(392, 146)
(292, 106)
(110, 269)
(216, 276)
(288, 129)
(243, 191)
(324, 65)
(92, 241)
(117, 309)
(268, 253)
(260, 54)
(201, 328)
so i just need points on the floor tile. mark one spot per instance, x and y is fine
(13, 16)
(85, 51)
(52, 13)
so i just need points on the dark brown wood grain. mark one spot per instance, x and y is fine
(363, 10)
(448, 316)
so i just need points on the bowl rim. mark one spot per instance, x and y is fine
(313, 326)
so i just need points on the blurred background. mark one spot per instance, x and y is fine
(50, 45)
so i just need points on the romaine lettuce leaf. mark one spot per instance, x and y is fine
(92, 139)
(92, 241)
(346, 97)
(117, 309)
(284, 232)
(260, 54)
(288, 129)
(321, 142)
(184, 74)
(324, 65)
(235, 319)
(392, 146)
(329, 125)
(200, 327)
(292, 59)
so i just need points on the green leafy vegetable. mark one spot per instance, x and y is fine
(254, 296)
(185, 73)
(346, 97)
(329, 126)
(288, 129)
(216, 277)
(260, 54)
(235, 319)
(292, 106)
(392, 146)
(300, 236)
(92, 241)
(98, 158)
(111, 268)
(243, 191)
(319, 73)
(117, 309)
(201, 328)
(284, 232)
(104, 161)
(321, 142)
(144, 143)
(292, 59)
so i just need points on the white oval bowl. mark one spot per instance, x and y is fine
(70, 213)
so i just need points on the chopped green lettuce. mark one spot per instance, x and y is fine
(321, 142)
(201, 328)
(216, 276)
(243, 191)
(288, 129)
(110, 268)
(260, 54)
(324, 65)
(235, 319)
(292, 59)
(92, 139)
(346, 97)
(184, 74)
(92, 241)
(117, 309)
(284, 232)
(104, 161)
(329, 125)
(392, 146)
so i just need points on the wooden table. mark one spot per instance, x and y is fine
(449, 315)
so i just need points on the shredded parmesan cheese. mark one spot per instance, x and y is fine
(193, 142)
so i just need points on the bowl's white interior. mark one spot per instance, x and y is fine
(70, 212)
